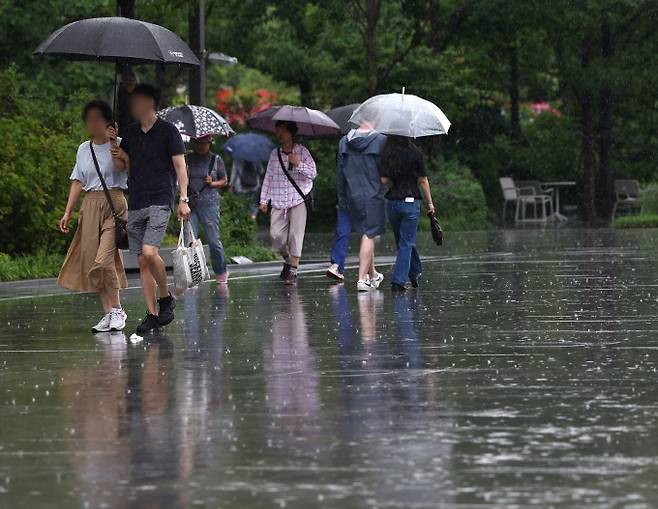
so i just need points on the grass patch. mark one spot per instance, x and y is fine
(643, 221)
(35, 266)
(255, 252)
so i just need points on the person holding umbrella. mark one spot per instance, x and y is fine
(207, 175)
(288, 181)
(154, 153)
(403, 170)
(361, 195)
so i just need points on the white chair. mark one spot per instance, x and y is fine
(627, 197)
(523, 197)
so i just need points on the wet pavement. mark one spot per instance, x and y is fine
(521, 374)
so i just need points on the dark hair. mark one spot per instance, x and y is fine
(146, 90)
(290, 126)
(99, 105)
(396, 155)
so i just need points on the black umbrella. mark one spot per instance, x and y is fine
(341, 116)
(117, 39)
(437, 231)
(196, 121)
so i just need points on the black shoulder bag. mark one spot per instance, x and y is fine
(192, 194)
(308, 198)
(120, 224)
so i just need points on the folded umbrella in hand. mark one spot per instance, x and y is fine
(437, 231)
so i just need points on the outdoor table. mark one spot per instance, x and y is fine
(557, 186)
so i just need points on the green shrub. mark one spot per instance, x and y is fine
(35, 266)
(39, 143)
(649, 197)
(458, 197)
(642, 221)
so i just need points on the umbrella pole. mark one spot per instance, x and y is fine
(115, 93)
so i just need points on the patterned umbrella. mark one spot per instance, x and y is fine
(309, 122)
(196, 121)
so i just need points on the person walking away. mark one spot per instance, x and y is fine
(207, 175)
(336, 269)
(362, 193)
(403, 170)
(154, 153)
(288, 216)
(93, 262)
(245, 182)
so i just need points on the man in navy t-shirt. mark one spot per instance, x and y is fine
(154, 153)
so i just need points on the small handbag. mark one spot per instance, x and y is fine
(308, 198)
(437, 231)
(120, 224)
(190, 267)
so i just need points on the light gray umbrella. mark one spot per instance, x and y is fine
(401, 115)
(309, 122)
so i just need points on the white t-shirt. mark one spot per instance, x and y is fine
(85, 172)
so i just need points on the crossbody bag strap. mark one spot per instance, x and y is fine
(289, 177)
(100, 176)
(211, 166)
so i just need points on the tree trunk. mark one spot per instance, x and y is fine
(196, 30)
(604, 185)
(121, 99)
(435, 27)
(515, 118)
(587, 135)
(372, 18)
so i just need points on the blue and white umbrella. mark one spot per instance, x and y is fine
(196, 121)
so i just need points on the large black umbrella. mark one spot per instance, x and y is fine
(341, 116)
(117, 39)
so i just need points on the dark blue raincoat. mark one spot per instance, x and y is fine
(360, 190)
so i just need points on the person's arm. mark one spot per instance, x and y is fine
(74, 195)
(181, 175)
(267, 184)
(424, 184)
(305, 164)
(217, 178)
(120, 157)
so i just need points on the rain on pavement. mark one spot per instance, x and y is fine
(521, 374)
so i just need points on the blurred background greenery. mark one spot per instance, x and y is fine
(536, 90)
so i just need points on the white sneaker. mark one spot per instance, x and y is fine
(334, 273)
(363, 285)
(117, 319)
(378, 280)
(103, 325)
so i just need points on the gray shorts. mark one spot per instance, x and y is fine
(147, 227)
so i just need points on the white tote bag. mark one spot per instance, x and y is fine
(190, 267)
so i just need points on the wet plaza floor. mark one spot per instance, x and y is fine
(521, 374)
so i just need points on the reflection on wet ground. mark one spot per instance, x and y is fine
(522, 374)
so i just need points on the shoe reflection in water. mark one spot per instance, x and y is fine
(126, 440)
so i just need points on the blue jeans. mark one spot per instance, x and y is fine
(208, 216)
(404, 217)
(343, 233)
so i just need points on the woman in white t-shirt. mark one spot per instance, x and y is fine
(93, 263)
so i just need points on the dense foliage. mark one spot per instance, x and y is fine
(546, 90)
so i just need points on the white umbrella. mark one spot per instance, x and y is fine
(401, 115)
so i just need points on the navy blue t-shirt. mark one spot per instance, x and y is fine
(152, 177)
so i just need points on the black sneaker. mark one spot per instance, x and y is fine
(414, 280)
(291, 277)
(149, 323)
(167, 306)
(285, 271)
(396, 288)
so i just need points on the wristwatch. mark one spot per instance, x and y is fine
(184, 199)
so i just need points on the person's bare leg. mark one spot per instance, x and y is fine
(294, 261)
(157, 268)
(366, 257)
(113, 295)
(104, 297)
(148, 285)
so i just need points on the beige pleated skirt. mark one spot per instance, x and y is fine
(93, 262)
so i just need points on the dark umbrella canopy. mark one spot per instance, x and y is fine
(309, 122)
(341, 116)
(249, 147)
(116, 39)
(196, 121)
